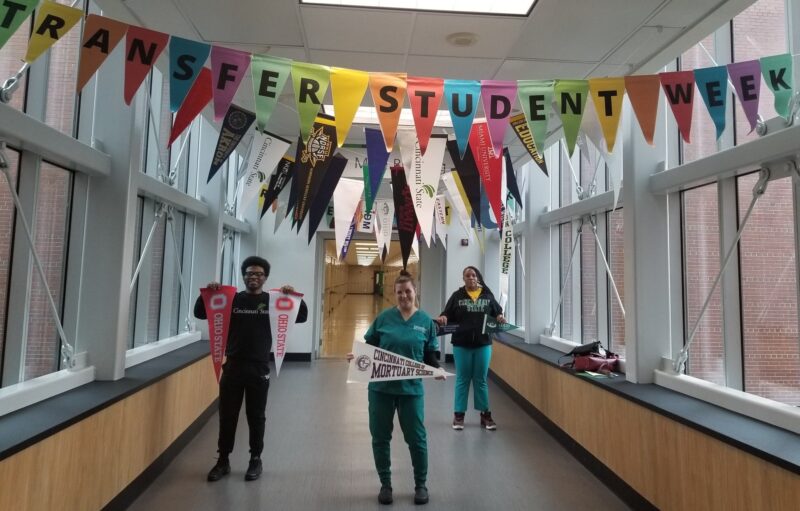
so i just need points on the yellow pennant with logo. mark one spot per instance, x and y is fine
(347, 88)
(607, 94)
(52, 22)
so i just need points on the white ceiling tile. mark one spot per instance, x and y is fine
(246, 21)
(452, 67)
(645, 42)
(162, 16)
(362, 61)
(356, 29)
(495, 35)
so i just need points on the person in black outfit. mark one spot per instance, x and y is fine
(245, 373)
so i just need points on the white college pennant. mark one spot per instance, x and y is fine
(375, 364)
(346, 199)
(267, 150)
(283, 310)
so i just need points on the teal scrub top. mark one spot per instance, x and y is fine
(410, 339)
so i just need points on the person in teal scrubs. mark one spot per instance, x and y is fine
(410, 332)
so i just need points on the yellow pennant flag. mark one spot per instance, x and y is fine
(388, 94)
(607, 96)
(462, 192)
(347, 87)
(52, 22)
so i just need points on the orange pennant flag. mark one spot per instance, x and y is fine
(643, 91)
(388, 93)
(424, 94)
(100, 36)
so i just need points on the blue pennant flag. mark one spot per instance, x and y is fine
(462, 99)
(186, 59)
(712, 82)
(377, 156)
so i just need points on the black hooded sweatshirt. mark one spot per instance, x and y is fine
(461, 310)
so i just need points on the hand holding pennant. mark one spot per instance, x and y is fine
(375, 364)
(491, 325)
(283, 309)
(218, 301)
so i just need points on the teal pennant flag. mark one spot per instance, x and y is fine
(186, 59)
(712, 82)
(462, 99)
(777, 71)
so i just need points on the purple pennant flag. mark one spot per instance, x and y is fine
(746, 78)
(377, 156)
(498, 98)
(227, 69)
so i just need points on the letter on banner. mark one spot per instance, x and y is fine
(490, 167)
(346, 198)
(375, 364)
(679, 89)
(404, 210)
(52, 22)
(377, 156)
(498, 99)
(228, 68)
(197, 99)
(462, 100)
(746, 78)
(607, 94)
(218, 311)
(347, 88)
(424, 94)
(366, 220)
(142, 48)
(283, 309)
(426, 173)
(712, 82)
(388, 93)
(520, 127)
(236, 123)
(571, 99)
(266, 151)
(186, 58)
(12, 14)
(643, 93)
(310, 85)
(330, 178)
(269, 76)
(100, 37)
(777, 71)
(536, 100)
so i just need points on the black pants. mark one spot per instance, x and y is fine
(249, 380)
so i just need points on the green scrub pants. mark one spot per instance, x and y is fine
(411, 413)
(472, 366)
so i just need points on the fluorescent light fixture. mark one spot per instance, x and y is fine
(368, 115)
(509, 7)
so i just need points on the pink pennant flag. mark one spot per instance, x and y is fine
(679, 89)
(424, 94)
(227, 69)
(746, 78)
(498, 98)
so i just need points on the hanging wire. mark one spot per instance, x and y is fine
(679, 364)
(160, 211)
(231, 209)
(578, 187)
(67, 350)
(605, 262)
(184, 287)
(552, 327)
(173, 173)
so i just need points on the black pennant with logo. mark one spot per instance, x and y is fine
(234, 126)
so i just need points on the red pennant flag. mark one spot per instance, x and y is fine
(100, 37)
(218, 311)
(196, 100)
(679, 89)
(142, 48)
(424, 94)
(490, 167)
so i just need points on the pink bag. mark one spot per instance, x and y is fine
(596, 362)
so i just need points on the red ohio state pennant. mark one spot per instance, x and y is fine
(218, 310)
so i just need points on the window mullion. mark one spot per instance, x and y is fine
(604, 291)
(729, 286)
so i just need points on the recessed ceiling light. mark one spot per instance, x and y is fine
(462, 39)
(506, 7)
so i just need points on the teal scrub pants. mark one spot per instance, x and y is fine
(411, 413)
(472, 366)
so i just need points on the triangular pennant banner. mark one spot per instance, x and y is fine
(409, 149)
(424, 94)
(347, 88)
(197, 99)
(643, 94)
(269, 76)
(404, 211)
(218, 304)
(679, 89)
(52, 22)
(12, 15)
(746, 78)
(228, 68)
(320, 203)
(265, 154)
(384, 209)
(374, 364)
(312, 158)
(520, 127)
(346, 198)
(236, 123)
(490, 167)
(777, 71)
(536, 100)
(425, 175)
(462, 99)
(283, 309)
(440, 210)
(278, 181)
(506, 259)
(468, 177)
(571, 99)
(388, 94)
(712, 82)
(498, 99)
(310, 83)
(142, 48)
(377, 156)
(607, 95)
(511, 178)
(457, 201)
(186, 59)
(100, 36)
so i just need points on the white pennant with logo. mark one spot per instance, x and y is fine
(283, 310)
(425, 174)
(375, 364)
(385, 212)
(441, 219)
(266, 153)
(408, 144)
(367, 223)
(346, 199)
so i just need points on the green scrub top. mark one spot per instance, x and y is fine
(410, 339)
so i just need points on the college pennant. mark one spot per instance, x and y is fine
(409, 149)
(346, 198)
(746, 78)
(712, 82)
(679, 89)
(425, 175)
(536, 100)
(777, 71)
(330, 178)
(278, 181)
(265, 153)
(404, 210)
(462, 101)
(511, 178)
(197, 99)
(468, 179)
(607, 95)
(491, 326)
(384, 210)
(12, 15)
(457, 201)
(571, 99)
(371, 363)
(506, 259)
(347, 88)
(312, 158)
(142, 49)
(186, 59)
(490, 167)
(236, 123)
(520, 127)
(52, 23)
(442, 219)
(228, 68)
(100, 36)
(282, 208)
(643, 94)
(377, 156)
(310, 83)
(388, 94)
(425, 95)
(498, 98)
(218, 304)
(269, 77)
(283, 309)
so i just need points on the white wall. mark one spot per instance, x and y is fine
(456, 259)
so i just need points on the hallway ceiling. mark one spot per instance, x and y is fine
(559, 39)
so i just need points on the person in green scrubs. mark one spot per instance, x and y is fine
(410, 332)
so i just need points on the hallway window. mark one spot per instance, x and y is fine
(62, 100)
(11, 56)
(159, 124)
(616, 260)
(7, 217)
(703, 132)
(565, 325)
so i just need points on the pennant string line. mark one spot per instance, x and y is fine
(593, 220)
(67, 350)
(578, 188)
(160, 211)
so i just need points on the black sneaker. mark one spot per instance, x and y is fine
(385, 495)
(420, 495)
(220, 470)
(458, 421)
(254, 469)
(487, 421)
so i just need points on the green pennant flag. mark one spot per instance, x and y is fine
(491, 326)
(571, 99)
(536, 99)
(269, 76)
(367, 188)
(777, 71)
(310, 85)
(12, 14)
